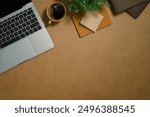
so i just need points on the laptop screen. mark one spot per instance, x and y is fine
(9, 6)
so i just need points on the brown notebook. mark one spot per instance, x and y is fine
(136, 11)
(122, 5)
(83, 31)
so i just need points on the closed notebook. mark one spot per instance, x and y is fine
(82, 30)
(91, 20)
(122, 5)
(138, 9)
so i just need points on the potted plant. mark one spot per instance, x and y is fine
(76, 6)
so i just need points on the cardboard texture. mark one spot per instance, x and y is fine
(83, 31)
(113, 63)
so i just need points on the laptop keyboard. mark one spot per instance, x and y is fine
(18, 27)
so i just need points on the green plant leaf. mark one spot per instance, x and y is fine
(86, 5)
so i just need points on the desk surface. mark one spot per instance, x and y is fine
(113, 63)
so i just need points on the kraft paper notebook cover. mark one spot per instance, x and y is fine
(83, 31)
(122, 5)
(136, 11)
(91, 20)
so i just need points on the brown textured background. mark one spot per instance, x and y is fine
(113, 63)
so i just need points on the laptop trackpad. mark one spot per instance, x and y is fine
(17, 52)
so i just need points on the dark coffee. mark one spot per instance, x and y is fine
(57, 11)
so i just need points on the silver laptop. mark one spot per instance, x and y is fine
(22, 33)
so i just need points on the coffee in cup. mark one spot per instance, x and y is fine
(56, 12)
